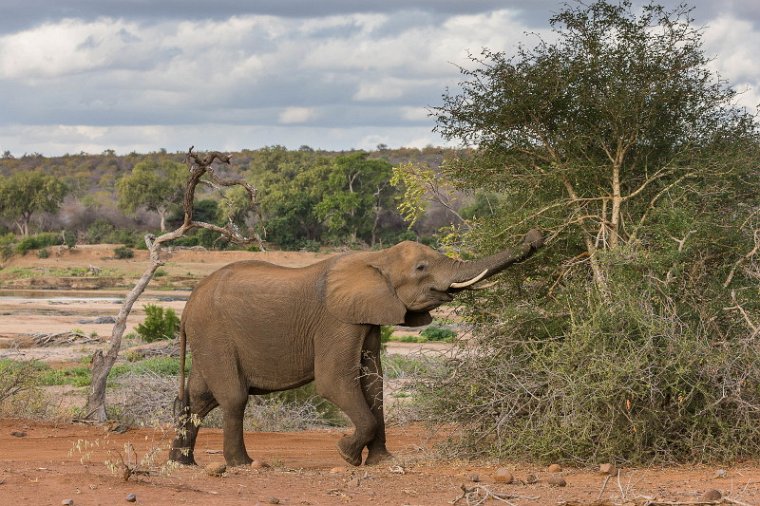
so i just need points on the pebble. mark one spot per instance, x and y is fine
(215, 469)
(273, 500)
(475, 477)
(67, 502)
(554, 468)
(131, 497)
(721, 473)
(531, 479)
(18, 433)
(712, 495)
(556, 481)
(503, 475)
(608, 468)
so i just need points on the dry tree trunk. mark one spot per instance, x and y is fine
(199, 165)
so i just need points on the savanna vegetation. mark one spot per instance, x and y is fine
(633, 336)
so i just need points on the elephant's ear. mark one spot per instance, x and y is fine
(358, 292)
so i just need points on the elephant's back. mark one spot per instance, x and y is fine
(241, 289)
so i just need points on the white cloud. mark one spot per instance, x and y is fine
(735, 44)
(335, 82)
(293, 115)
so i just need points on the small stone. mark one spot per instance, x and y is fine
(67, 502)
(215, 469)
(337, 470)
(531, 479)
(475, 477)
(273, 500)
(18, 433)
(556, 481)
(503, 475)
(721, 473)
(712, 495)
(608, 468)
(131, 497)
(554, 468)
(259, 464)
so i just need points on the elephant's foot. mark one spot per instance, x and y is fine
(376, 456)
(348, 451)
(182, 456)
(238, 459)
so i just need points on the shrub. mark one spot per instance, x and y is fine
(435, 333)
(588, 382)
(43, 253)
(20, 392)
(38, 241)
(159, 324)
(122, 253)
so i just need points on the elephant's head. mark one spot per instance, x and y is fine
(401, 284)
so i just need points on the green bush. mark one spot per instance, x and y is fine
(122, 252)
(38, 241)
(159, 324)
(435, 333)
(43, 253)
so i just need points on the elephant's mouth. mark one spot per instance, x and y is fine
(433, 299)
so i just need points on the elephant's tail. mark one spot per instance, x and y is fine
(181, 402)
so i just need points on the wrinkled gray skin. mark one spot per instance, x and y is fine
(256, 328)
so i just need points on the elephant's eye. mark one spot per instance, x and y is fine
(421, 267)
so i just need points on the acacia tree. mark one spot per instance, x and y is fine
(633, 335)
(201, 170)
(155, 185)
(25, 193)
(595, 128)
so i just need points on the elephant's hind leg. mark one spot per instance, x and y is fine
(232, 394)
(197, 404)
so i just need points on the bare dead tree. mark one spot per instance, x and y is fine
(199, 165)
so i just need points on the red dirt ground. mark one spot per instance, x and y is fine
(41, 467)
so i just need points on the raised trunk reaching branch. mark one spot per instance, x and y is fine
(199, 165)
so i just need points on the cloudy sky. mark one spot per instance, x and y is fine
(141, 75)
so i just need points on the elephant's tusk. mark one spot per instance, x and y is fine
(471, 282)
(484, 287)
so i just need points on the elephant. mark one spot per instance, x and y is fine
(254, 328)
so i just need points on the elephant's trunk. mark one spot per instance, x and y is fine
(469, 273)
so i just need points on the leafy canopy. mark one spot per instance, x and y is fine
(629, 337)
(25, 193)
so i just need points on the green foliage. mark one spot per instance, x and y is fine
(37, 241)
(436, 333)
(43, 253)
(122, 252)
(20, 392)
(309, 198)
(69, 238)
(23, 194)
(153, 184)
(630, 336)
(160, 323)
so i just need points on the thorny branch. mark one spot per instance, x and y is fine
(199, 165)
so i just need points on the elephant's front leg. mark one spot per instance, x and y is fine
(372, 387)
(337, 374)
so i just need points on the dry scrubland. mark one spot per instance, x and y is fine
(47, 459)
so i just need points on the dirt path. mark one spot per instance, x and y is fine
(38, 467)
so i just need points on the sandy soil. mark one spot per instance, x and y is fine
(39, 466)
(42, 467)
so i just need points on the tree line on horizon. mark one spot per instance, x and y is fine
(307, 198)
